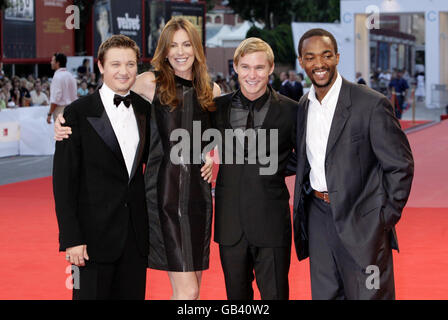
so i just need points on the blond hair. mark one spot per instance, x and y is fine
(251, 45)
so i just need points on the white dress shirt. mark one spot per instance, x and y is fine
(320, 116)
(124, 124)
(63, 88)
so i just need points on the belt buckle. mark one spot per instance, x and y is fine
(326, 197)
(322, 196)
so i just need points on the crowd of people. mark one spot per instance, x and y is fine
(395, 85)
(30, 91)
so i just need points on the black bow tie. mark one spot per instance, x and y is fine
(126, 100)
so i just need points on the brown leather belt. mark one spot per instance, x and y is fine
(322, 195)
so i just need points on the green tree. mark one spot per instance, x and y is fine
(209, 4)
(275, 12)
(270, 12)
(277, 16)
(280, 40)
(315, 11)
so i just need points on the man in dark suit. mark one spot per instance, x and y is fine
(292, 88)
(252, 214)
(295, 86)
(360, 79)
(98, 181)
(284, 81)
(353, 177)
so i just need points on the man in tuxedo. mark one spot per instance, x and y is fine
(354, 172)
(252, 214)
(98, 181)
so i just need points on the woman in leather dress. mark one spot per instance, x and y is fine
(179, 200)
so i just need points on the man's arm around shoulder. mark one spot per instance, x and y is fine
(66, 173)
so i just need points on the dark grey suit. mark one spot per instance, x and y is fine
(369, 170)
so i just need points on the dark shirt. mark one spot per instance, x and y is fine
(82, 70)
(400, 85)
(23, 92)
(239, 113)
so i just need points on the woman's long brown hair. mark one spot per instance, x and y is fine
(165, 75)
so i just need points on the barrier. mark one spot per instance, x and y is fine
(25, 131)
(439, 95)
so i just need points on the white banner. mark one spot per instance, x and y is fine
(9, 131)
(25, 131)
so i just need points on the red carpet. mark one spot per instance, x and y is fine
(32, 268)
(407, 124)
(430, 149)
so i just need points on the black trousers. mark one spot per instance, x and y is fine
(124, 279)
(271, 266)
(334, 272)
(399, 106)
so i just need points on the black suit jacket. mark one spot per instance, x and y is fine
(369, 170)
(293, 91)
(94, 195)
(246, 201)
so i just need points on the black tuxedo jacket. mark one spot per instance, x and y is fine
(369, 170)
(245, 201)
(94, 195)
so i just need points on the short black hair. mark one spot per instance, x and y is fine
(319, 33)
(61, 58)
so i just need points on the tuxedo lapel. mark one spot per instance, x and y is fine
(228, 124)
(273, 112)
(101, 124)
(301, 137)
(140, 117)
(341, 115)
(302, 145)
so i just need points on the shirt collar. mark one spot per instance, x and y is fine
(61, 70)
(108, 95)
(334, 90)
(257, 103)
(109, 92)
